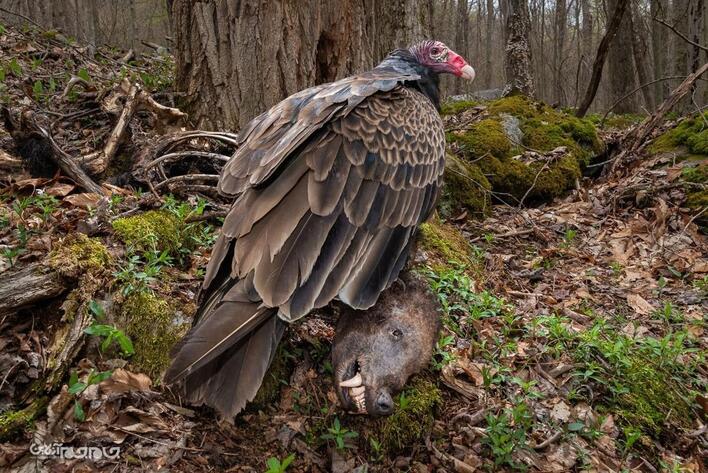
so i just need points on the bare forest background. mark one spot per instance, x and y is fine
(278, 48)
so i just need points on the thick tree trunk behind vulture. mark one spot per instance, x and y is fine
(235, 59)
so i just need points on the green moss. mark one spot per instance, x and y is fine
(149, 322)
(483, 138)
(691, 133)
(466, 188)
(517, 105)
(515, 178)
(452, 108)
(78, 254)
(413, 417)
(153, 230)
(620, 121)
(544, 129)
(444, 244)
(13, 423)
(649, 400)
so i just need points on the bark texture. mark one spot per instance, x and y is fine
(237, 58)
(518, 54)
(621, 70)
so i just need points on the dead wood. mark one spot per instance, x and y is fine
(97, 162)
(642, 132)
(22, 287)
(28, 130)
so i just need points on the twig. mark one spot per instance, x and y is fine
(185, 154)
(621, 99)
(72, 82)
(505, 235)
(553, 438)
(678, 33)
(187, 178)
(535, 179)
(22, 16)
(694, 218)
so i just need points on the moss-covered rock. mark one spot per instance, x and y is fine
(443, 244)
(413, 417)
(77, 254)
(454, 107)
(484, 138)
(153, 230)
(543, 129)
(149, 322)
(465, 188)
(691, 133)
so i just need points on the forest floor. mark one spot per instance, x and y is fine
(574, 333)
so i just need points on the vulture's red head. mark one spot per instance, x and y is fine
(441, 59)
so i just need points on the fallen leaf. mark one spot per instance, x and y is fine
(560, 412)
(84, 200)
(639, 304)
(123, 381)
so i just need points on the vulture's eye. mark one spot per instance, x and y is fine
(397, 334)
(438, 54)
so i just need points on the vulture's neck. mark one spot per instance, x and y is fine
(403, 61)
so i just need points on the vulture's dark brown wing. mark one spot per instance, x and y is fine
(336, 217)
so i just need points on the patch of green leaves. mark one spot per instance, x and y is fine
(277, 466)
(339, 435)
(76, 387)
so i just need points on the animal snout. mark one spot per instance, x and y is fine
(384, 404)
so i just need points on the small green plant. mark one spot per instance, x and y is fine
(568, 238)
(277, 466)
(109, 332)
(11, 254)
(701, 285)
(76, 387)
(443, 357)
(377, 452)
(616, 268)
(339, 434)
(507, 433)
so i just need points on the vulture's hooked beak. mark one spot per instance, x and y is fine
(460, 66)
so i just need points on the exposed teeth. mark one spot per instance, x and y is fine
(357, 391)
(352, 383)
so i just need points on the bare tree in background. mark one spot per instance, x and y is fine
(620, 64)
(519, 77)
(237, 58)
(558, 44)
(602, 50)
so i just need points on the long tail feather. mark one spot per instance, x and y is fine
(221, 362)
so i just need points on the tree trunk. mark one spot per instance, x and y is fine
(488, 46)
(518, 55)
(602, 50)
(620, 64)
(640, 52)
(659, 44)
(558, 44)
(586, 42)
(236, 59)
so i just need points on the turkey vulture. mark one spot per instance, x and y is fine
(330, 186)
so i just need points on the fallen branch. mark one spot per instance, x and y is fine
(23, 287)
(642, 132)
(679, 34)
(99, 161)
(28, 129)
